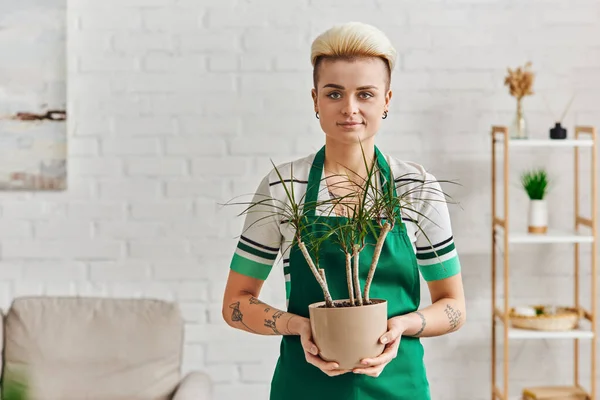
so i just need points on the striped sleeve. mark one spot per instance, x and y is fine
(436, 254)
(261, 238)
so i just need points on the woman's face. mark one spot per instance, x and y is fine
(351, 97)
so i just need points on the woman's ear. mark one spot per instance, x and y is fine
(313, 93)
(388, 97)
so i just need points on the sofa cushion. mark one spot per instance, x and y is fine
(94, 348)
(1, 338)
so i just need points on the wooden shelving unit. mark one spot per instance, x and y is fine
(585, 231)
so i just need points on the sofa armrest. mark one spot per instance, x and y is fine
(194, 386)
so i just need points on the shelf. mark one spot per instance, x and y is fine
(549, 142)
(553, 236)
(514, 333)
(583, 332)
(505, 234)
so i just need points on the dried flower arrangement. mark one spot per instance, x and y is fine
(520, 81)
(520, 84)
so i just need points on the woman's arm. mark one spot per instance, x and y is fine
(243, 310)
(439, 265)
(446, 314)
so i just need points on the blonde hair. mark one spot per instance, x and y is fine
(349, 41)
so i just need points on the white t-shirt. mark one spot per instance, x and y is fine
(266, 233)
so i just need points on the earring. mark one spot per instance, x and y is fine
(384, 115)
(317, 115)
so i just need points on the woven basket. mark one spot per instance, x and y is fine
(565, 319)
(554, 393)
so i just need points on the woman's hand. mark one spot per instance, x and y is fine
(374, 366)
(311, 352)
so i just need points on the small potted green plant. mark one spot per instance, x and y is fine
(13, 387)
(535, 182)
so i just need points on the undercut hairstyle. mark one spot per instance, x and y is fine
(349, 42)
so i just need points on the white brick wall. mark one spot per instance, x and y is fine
(176, 106)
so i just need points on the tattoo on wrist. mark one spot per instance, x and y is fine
(423, 323)
(273, 323)
(453, 317)
(237, 316)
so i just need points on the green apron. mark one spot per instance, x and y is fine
(396, 280)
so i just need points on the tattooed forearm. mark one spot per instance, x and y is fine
(273, 323)
(433, 320)
(454, 317)
(254, 300)
(248, 313)
(423, 323)
(237, 316)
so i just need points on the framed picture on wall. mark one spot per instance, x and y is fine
(33, 132)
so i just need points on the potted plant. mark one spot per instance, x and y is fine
(375, 211)
(14, 386)
(535, 182)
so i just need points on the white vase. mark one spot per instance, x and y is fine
(538, 216)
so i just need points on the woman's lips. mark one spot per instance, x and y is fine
(349, 125)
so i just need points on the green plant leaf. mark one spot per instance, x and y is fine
(367, 212)
(14, 386)
(535, 182)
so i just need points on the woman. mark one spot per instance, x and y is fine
(351, 95)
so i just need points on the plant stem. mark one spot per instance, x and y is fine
(378, 247)
(322, 273)
(311, 264)
(349, 277)
(356, 255)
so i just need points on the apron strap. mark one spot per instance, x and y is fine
(385, 172)
(314, 183)
(316, 173)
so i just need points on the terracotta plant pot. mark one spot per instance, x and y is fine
(346, 335)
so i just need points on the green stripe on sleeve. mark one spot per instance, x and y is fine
(288, 290)
(250, 268)
(442, 270)
(433, 254)
(256, 252)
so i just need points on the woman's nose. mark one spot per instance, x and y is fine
(350, 106)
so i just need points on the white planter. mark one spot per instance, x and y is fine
(538, 216)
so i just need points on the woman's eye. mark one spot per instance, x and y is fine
(366, 95)
(334, 95)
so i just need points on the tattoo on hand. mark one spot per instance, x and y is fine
(423, 323)
(237, 316)
(453, 316)
(273, 323)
